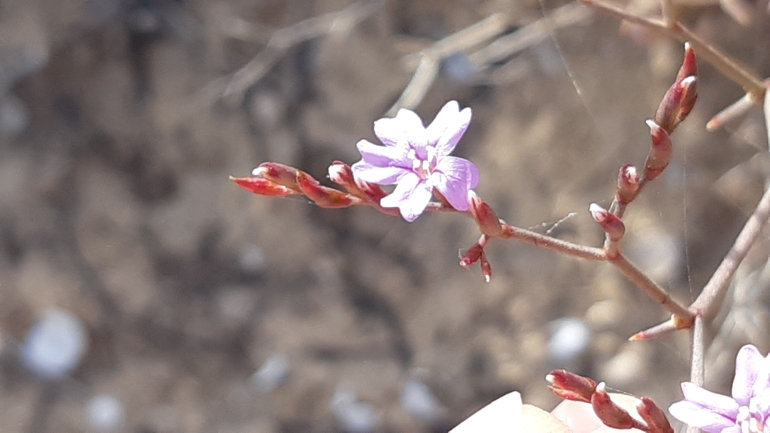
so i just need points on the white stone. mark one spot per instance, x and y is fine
(271, 374)
(352, 415)
(105, 413)
(419, 402)
(569, 339)
(55, 345)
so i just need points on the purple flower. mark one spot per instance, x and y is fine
(416, 159)
(748, 411)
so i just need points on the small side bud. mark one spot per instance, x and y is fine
(322, 196)
(610, 413)
(628, 184)
(660, 151)
(653, 415)
(689, 96)
(472, 255)
(341, 174)
(611, 224)
(485, 216)
(689, 64)
(571, 386)
(486, 267)
(278, 173)
(261, 186)
(680, 97)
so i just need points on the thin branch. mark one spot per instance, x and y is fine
(710, 298)
(650, 287)
(558, 245)
(697, 363)
(727, 66)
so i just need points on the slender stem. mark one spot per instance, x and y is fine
(710, 298)
(697, 363)
(650, 287)
(751, 84)
(539, 240)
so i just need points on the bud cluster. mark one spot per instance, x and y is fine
(571, 386)
(279, 180)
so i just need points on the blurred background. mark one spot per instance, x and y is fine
(142, 291)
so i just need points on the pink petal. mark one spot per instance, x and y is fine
(383, 156)
(747, 366)
(709, 401)
(411, 197)
(378, 175)
(696, 416)
(448, 127)
(405, 130)
(453, 178)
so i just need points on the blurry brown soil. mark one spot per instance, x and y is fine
(116, 206)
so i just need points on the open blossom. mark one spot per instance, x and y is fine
(416, 159)
(747, 411)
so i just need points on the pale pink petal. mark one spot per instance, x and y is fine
(448, 132)
(501, 416)
(696, 416)
(383, 156)
(411, 196)
(443, 121)
(709, 401)
(405, 130)
(378, 175)
(453, 178)
(747, 366)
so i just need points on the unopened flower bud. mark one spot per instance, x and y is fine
(472, 255)
(341, 174)
(653, 415)
(680, 97)
(262, 186)
(689, 64)
(610, 413)
(485, 216)
(486, 267)
(321, 195)
(660, 151)
(278, 173)
(611, 224)
(571, 386)
(628, 184)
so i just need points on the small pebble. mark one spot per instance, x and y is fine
(271, 374)
(252, 259)
(14, 117)
(569, 339)
(419, 402)
(55, 345)
(105, 413)
(352, 415)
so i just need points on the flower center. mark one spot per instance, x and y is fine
(423, 165)
(749, 422)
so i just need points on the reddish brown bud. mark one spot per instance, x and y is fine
(321, 195)
(261, 186)
(654, 416)
(486, 267)
(628, 184)
(485, 216)
(571, 386)
(689, 64)
(278, 173)
(681, 96)
(472, 255)
(610, 413)
(660, 151)
(341, 174)
(689, 96)
(611, 224)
